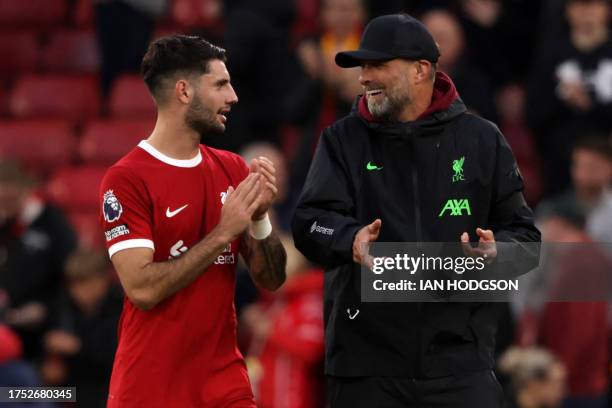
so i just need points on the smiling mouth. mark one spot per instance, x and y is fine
(374, 92)
(223, 114)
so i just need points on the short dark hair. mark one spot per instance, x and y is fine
(596, 143)
(587, 1)
(86, 263)
(174, 54)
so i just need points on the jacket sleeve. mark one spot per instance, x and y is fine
(511, 219)
(323, 224)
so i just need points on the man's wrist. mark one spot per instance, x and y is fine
(261, 229)
(220, 237)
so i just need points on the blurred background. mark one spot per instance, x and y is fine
(72, 103)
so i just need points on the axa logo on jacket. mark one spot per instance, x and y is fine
(456, 207)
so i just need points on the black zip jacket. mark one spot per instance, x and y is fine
(403, 174)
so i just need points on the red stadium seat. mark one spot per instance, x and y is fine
(57, 96)
(75, 189)
(17, 13)
(71, 51)
(104, 142)
(39, 144)
(87, 227)
(18, 53)
(4, 111)
(83, 14)
(130, 98)
(163, 30)
(196, 13)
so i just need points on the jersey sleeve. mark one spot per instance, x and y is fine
(243, 168)
(125, 212)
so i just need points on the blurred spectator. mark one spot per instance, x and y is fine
(35, 240)
(499, 35)
(285, 358)
(325, 92)
(330, 90)
(592, 179)
(124, 29)
(202, 16)
(10, 345)
(576, 320)
(473, 85)
(537, 378)
(591, 175)
(570, 90)
(257, 35)
(512, 123)
(81, 344)
(15, 372)
(413, 7)
(591, 170)
(282, 209)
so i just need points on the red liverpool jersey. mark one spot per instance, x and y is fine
(181, 353)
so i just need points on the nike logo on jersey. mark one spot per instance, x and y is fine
(171, 214)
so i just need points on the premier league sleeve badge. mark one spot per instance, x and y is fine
(111, 207)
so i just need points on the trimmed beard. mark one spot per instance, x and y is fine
(394, 101)
(201, 118)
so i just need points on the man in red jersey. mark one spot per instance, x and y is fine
(176, 214)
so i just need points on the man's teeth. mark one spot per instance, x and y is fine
(374, 92)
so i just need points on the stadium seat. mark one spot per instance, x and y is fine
(71, 51)
(164, 30)
(4, 111)
(196, 13)
(18, 53)
(56, 96)
(87, 227)
(104, 142)
(35, 13)
(75, 188)
(40, 144)
(83, 13)
(130, 98)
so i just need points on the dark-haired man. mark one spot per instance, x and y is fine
(35, 241)
(391, 171)
(176, 214)
(570, 88)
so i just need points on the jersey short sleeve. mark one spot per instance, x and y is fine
(243, 168)
(125, 212)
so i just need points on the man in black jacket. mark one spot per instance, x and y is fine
(385, 172)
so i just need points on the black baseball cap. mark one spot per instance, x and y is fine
(389, 37)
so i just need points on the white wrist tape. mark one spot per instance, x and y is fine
(260, 229)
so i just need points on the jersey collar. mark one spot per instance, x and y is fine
(146, 146)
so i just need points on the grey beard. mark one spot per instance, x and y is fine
(385, 110)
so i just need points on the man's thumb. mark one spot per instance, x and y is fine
(375, 226)
(230, 190)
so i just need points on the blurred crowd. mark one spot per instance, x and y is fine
(541, 70)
